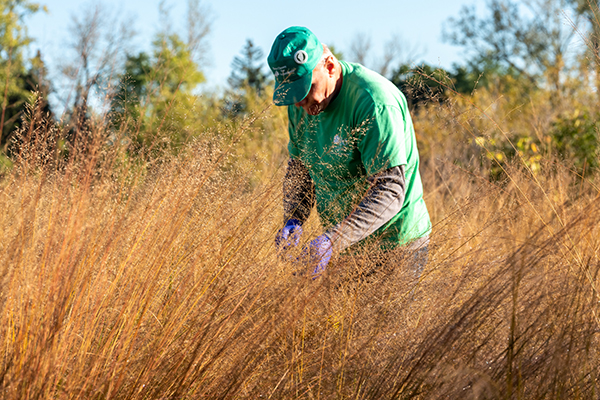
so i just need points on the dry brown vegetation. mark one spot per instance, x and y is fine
(159, 279)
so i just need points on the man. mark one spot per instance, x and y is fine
(352, 148)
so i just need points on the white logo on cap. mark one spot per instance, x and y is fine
(300, 57)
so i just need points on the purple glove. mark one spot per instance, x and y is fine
(317, 254)
(289, 235)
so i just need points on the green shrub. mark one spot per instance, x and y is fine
(575, 138)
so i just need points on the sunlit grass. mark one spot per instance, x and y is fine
(124, 279)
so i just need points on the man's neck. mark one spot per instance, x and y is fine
(339, 79)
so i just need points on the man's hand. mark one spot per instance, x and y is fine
(289, 235)
(317, 254)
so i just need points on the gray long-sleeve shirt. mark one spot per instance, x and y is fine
(382, 201)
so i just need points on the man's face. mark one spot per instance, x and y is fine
(319, 96)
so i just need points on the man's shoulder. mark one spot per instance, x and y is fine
(366, 85)
(360, 73)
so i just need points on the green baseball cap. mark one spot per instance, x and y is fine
(295, 53)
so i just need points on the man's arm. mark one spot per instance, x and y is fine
(383, 200)
(298, 192)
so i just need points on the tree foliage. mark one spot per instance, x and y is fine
(575, 137)
(425, 83)
(155, 101)
(247, 79)
(18, 76)
(155, 92)
(247, 69)
(528, 38)
(421, 85)
(132, 90)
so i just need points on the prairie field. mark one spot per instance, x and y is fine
(139, 208)
(156, 277)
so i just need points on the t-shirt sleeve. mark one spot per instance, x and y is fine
(382, 144)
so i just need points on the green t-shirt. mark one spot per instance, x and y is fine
(366, 129)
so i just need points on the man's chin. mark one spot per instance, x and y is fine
(314, 110)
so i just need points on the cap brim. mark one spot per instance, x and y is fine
(288, 93)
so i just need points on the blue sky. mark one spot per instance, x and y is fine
(417, 23)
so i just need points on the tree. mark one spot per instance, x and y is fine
(175, 74)
(247, 69)
(527, 37)
(199, 25)
(131, 92)
(247, 80)
(360, 47)
(99, 44)
(16, 79)
(155, 92)
(425, 83)
(395, 51)
(485, 74)
(590, 12)
(154, 102)
(576, 138)
(421, 85)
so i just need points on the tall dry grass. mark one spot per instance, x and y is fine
(159, 279)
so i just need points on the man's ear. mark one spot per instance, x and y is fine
(330, 65)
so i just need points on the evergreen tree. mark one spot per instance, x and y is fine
(132, 90)
(247, 70)
(247, 80)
